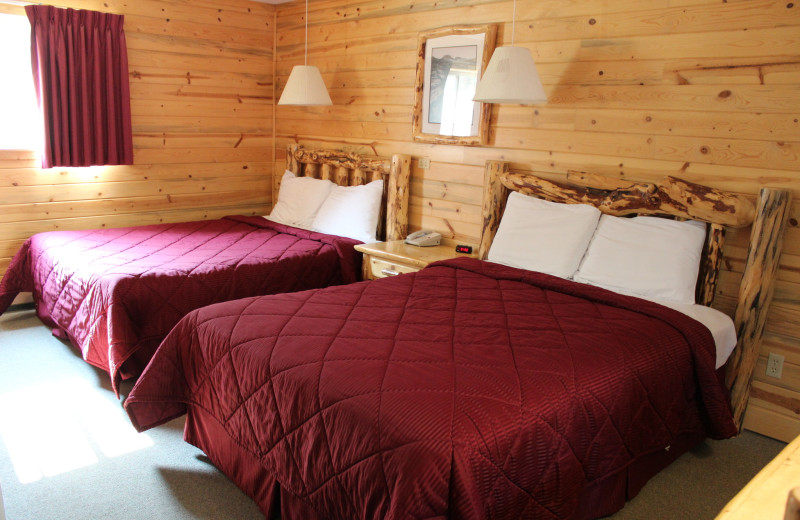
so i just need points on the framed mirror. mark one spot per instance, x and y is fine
(450, 62)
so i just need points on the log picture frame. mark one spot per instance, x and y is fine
(450, 62)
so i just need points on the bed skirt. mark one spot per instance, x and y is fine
(603, 497)
(203, 431)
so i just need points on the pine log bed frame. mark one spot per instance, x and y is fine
(341, 167)
(352, 169)
(675, 198)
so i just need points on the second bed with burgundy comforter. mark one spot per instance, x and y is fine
(466, 390)
(115, 293)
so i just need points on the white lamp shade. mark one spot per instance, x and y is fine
(511, 78)
(305, 87)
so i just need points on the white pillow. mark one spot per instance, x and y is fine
(649, 257)
(351, 211)
(543, 236)
(299, 199)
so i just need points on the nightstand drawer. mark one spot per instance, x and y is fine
(379, 268)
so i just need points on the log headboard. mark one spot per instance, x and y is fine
(351, 169)
(683, 200)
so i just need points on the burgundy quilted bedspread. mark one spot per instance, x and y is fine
(115, 293)
(466, 390)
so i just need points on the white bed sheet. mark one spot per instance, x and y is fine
(720, 324)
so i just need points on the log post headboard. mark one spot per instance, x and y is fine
(755, 294)
(351, 169)
(679, 199)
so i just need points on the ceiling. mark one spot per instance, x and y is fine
(272, 1)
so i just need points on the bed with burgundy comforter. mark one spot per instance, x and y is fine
(115, 293)
(466, 390)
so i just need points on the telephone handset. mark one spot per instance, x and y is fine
(424, 238)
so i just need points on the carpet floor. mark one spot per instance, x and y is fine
(68, 451)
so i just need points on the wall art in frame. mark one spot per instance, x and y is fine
(450, 62)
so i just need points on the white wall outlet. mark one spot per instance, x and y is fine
(775, 365)
(424, 162)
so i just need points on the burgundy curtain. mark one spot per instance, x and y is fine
(80, 70)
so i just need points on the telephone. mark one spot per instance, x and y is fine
(424, 238)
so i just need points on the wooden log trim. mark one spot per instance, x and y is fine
(593, 180)
(311, 170)
(325, 174)
(702, 202)
(755, 294)
(710, 265)
(673, 197)
(349, 160)
(342, 177)
(397, 189)
(358, 176)
(494, 204)
(352, 169)
(291, 165)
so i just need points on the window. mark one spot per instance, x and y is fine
(20, 124)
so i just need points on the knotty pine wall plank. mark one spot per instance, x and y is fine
(21, 229)
(56, 176)
(149, 76)
(231, 14)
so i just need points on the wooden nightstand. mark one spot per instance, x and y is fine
(383, 259)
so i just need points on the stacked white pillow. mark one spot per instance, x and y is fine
(320, 205)
(299, 200)
(351, 211)
(649, 257)
(543, 236)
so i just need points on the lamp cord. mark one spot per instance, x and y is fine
(305, 58)
(513, 22)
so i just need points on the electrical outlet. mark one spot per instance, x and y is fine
(424, 162)
(774, 365)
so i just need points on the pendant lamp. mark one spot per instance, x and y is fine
(511, 76)
(305, 86)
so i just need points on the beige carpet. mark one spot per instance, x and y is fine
(67, 451)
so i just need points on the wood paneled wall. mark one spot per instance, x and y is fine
(706, 90)
(201, 76)
(702, 89)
